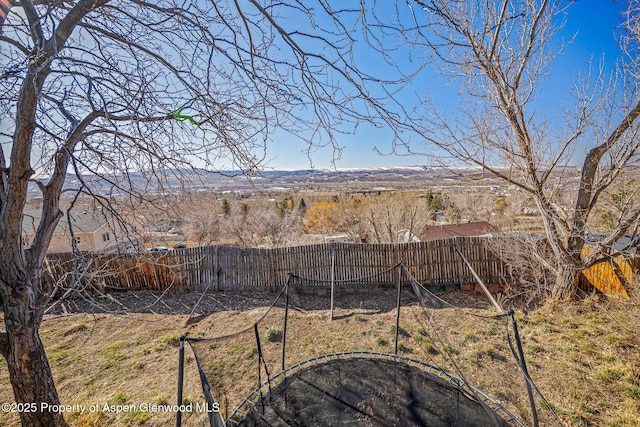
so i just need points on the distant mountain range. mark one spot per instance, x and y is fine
(352, 179)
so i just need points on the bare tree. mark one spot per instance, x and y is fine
(377, 218)
(396, 217)
(499, 53)
(108, 88)
(202, 223)
(530, 268)
(263, 225)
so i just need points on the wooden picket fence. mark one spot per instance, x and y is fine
(433, 263)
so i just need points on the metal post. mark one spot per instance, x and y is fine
(206, 289)
(525, 372)
(523, 363)
(480, 282)
(333, 277)
(180, 380)
(399, 287)
(286, 315)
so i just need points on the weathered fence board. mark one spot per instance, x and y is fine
(433, 263)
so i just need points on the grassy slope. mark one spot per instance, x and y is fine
(585, 356)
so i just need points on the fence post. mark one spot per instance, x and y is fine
(217, 268)
(333, 276)
(459, 269)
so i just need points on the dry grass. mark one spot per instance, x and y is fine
(584, 356)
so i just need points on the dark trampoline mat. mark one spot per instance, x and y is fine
(369, 392)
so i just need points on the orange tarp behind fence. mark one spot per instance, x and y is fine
(603, 277)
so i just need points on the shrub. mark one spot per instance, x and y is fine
(173, 340)
(274, 335)
(429, 348)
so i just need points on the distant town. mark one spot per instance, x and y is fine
(288, 208)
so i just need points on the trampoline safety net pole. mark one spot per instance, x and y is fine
(525, 371)
(399, 288)
(480, 282)
(521, 362)
(180, 380)
(206, 289)
(286, 315)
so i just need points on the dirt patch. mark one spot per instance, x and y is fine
(176, 303)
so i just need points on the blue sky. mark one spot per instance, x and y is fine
(592, 22)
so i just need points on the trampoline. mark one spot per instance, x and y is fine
(368, 389)
(363, 388)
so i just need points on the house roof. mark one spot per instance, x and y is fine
(626, 243)
(454, 230)
(82, 221)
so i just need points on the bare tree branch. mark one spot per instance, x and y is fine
(499, 53)
(114, 88)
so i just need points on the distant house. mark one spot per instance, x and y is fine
(406, 236)
(93, 231)
(338, 238)
(447, 231)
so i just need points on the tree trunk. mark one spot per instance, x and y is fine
(29, 369)
(566, 284)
